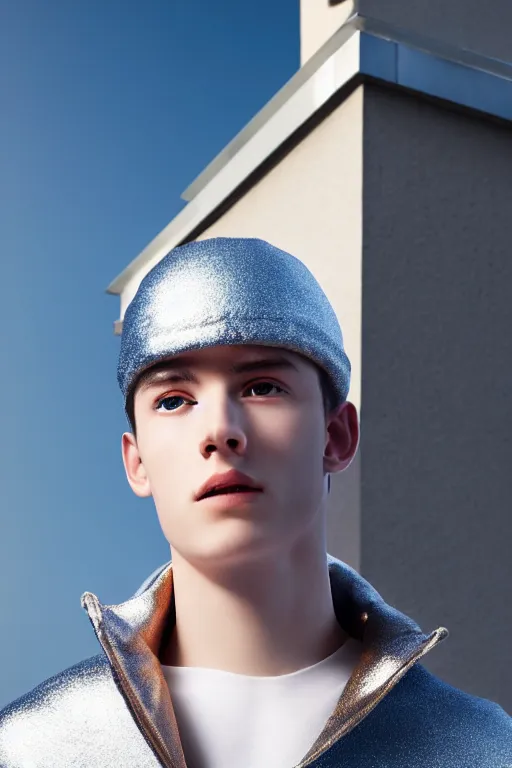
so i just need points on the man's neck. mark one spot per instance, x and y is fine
(267, 618)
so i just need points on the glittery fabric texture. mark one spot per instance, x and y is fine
(231, 291)
(116, 710)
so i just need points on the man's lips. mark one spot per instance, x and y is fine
(231, 479)
(232, 498)
(232, 491)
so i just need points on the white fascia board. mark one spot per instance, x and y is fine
(364, 48)
(434, 68)
(337, 40)
(337, 70)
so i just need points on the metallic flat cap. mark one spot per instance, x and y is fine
(225, 291)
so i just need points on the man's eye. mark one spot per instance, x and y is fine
(169, 398)
(264, 384)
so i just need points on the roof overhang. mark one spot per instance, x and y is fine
(361, 50)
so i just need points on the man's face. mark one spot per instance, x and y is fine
(267, 423)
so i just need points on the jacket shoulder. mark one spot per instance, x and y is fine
(75, 718)
(424, 722)
(86, 672)
(450, 698)
(446, 723)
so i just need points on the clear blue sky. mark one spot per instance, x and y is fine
(109, 110)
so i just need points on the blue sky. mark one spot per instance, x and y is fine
(109, 110)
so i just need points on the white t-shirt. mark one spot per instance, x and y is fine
(227, 720)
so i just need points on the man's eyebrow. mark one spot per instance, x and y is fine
(172, 371)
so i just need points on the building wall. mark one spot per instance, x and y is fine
(436, 446)
(318, 22)
(310, 205)
(482, 27)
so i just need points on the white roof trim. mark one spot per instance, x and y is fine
(303, 102)
(361, 47)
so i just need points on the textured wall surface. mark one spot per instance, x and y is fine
(481, 27)
(310, 205)
(318, 22)
(436, 449)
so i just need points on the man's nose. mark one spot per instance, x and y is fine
(224, 429)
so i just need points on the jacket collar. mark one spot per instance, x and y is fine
(131, 635)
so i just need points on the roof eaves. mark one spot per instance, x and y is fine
(324, 74)
(362, 46)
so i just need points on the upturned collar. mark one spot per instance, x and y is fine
(131, 635)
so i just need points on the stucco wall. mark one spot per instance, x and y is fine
(436, 447)
(318, 22)
(310, 205)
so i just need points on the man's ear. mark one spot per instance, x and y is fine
(133, 466)
(343, 438)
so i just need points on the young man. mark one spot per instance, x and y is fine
(253, 647)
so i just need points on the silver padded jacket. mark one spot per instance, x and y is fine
(115, 708)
